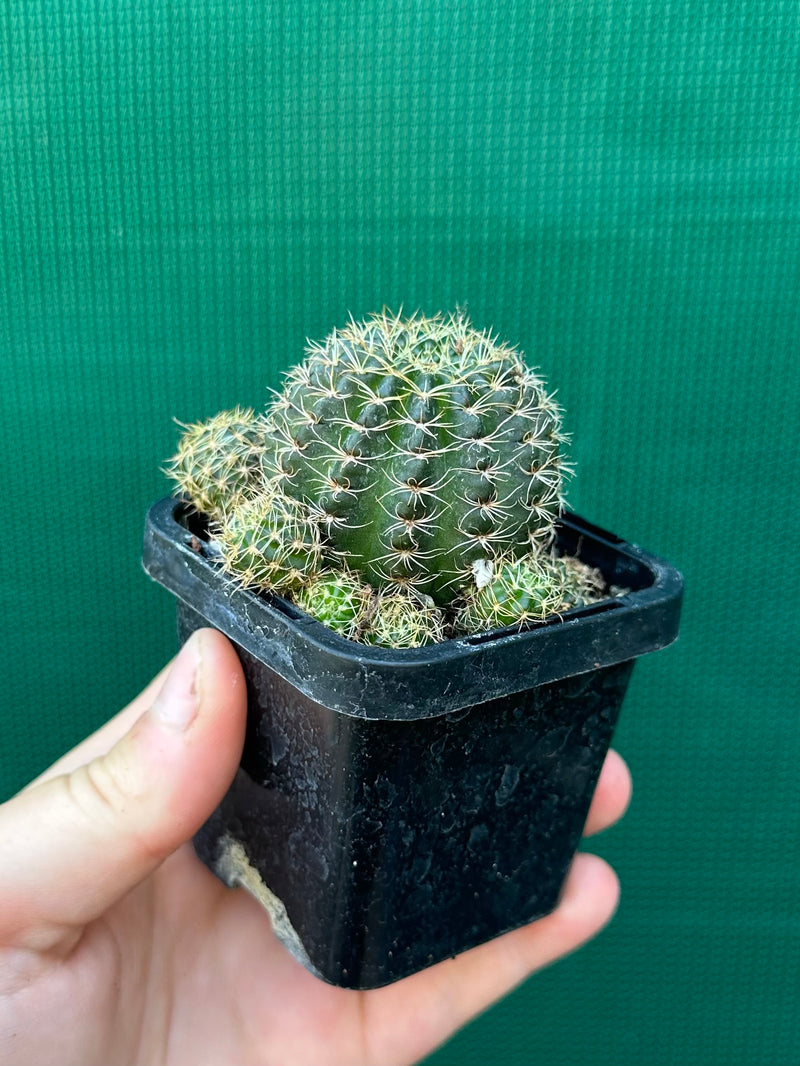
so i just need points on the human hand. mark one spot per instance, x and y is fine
(118, 946)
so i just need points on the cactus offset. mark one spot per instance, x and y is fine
(400, 618)
(218, 462)
(338, 600)
(529, 590)
(409, 465)
(270, 542)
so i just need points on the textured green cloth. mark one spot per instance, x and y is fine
(187, 191)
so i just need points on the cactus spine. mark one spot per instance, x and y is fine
(338, 600)
(425, 445)
(402, 619)
(530, 590)
(218, 462)
(419, 457)
(270, 542)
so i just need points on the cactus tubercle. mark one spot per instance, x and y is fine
(404, 485)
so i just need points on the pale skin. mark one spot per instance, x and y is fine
(118, 947)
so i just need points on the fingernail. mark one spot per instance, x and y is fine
(177, 702)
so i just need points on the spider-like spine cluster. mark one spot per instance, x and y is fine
(218, 462)
(339, 599)
(424, 446)
(417, 457)
(530, 589)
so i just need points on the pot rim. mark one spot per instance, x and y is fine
(357, 679)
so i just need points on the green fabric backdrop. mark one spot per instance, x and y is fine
(188, 191)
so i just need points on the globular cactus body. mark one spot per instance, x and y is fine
(530, 590)
(271, 543)
(402, 619)
(425, 445)
(404, 485)
(219, 461)
(340, 601)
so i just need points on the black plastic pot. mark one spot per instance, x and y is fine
(394, 808)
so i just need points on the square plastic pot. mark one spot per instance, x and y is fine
(394, 808)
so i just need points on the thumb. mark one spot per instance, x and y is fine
(73, 845)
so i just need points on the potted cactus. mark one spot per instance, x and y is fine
(435, 651)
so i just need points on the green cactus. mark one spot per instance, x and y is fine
(426, 446)
(219, 461)
(409, 465)
(529, 590)
(270, 542)
(339, 600)
(401, 618)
